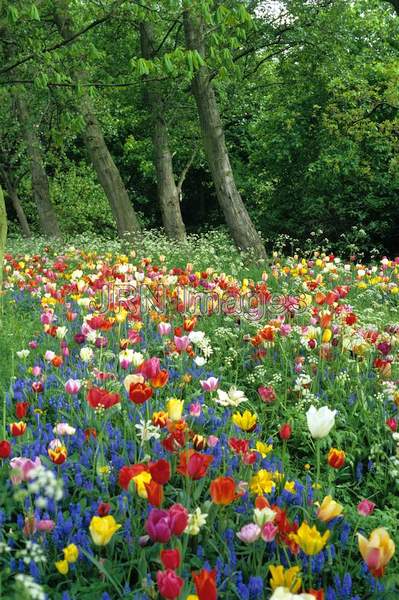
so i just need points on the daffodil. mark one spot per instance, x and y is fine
(262, 482)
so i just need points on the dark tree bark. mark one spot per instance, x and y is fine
(168, 191)
(13, 194)
(237, 218)
(107, 172)
(40, 185)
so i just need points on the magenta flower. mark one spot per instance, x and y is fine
(158, 526)
(365, 507)
(210, 384)
(181, 343)
(22, 467)
(269, 532)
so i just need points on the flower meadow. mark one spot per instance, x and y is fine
(160, 449)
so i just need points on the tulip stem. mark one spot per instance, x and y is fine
(317, 465)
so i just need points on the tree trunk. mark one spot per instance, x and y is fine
(13, 193)
(40, 185)
(3, 234)
(237, 218)
(107, 172)
(168, 191)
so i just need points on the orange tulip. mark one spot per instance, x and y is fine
(223, 490)
(17, 429)
(160, 379)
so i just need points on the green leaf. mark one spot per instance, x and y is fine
(34, 13)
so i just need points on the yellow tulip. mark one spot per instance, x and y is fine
(327, 335)
(102, 529)
(329, 510)
(246, 421)
(71, 553)
(309, 539)
(286, 578)
(175, 409)
(62, 566)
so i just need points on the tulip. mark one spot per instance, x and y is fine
(283, 593)
(71, 553)
(320, 421)
(223, 490)
(336, 458)
(64, 429)
(245, 421)
(309, 539)
(174, 408)
(17, 429)
(376, 551)
(102, 529)
(160, 471)
(158, 526)
(210, 384)
(193, 464)
(249, 533)
(21, 408)
(160, 380)
(22, 467)
(5, 449)
(178, 518)
(181, 343)
(170, 559)
(267, 394)
(285, 431)
(365, 508)
(285, 578)
(169, 584)
(62, 566)
(57, 452)
(329, 510)
(102, 398)
(150, 367)
(139, 393)
(205, 584)
(269, 532)
(164, 328)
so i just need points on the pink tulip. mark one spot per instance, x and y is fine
(36, 371)
(72, 386)
(365, 508)
(267, 394)
(210, 384)
(181, 343)
(164, 328)
(22, 468)
(269, 532)
(249, 533)
(195, 409)
(212, 441)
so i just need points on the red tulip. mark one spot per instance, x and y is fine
(103, 509)
(139, 393)
(21, 408)
(5, 449)
(170, 559)
(193, 464)
(169, 584)
(160, 471)
(205, 584)
(102, 398)
(336, 458)
(285, 431)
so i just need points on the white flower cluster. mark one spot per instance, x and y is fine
(28, 586)
(31, 552)
(45, 485)
(4, 548)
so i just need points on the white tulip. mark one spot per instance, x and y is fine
(320, 421)
(282, 593)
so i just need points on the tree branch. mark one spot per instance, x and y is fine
(184, 173)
